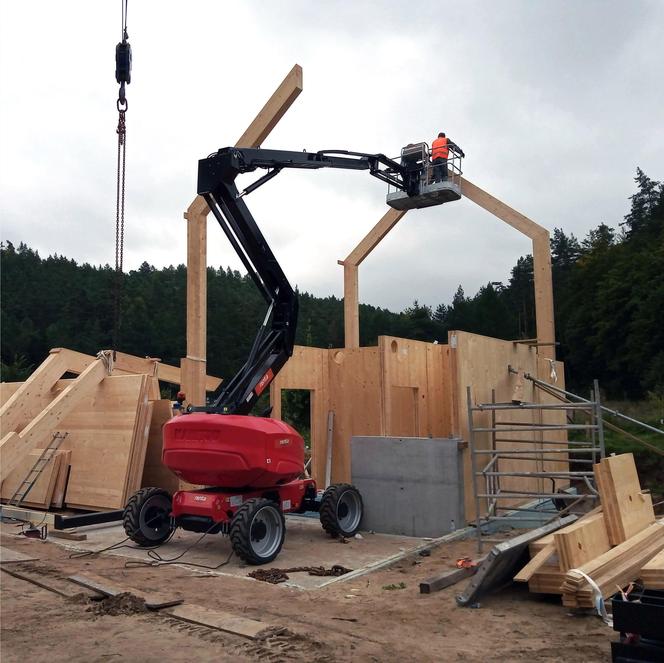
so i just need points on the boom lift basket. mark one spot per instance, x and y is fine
(417, 156)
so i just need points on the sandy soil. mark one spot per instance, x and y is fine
(355, 620)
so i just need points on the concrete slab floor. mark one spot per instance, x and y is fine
(306, 544)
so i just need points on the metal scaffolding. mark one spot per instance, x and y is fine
(505, 439)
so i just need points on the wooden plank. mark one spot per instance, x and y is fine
(9, 556)
(446, 579)
(614, 568)
(14, 446)
(153, 600)
(55, 585)
(629, 510)
(535, 564)
(222, 621)
(582, 541)
(652, 573)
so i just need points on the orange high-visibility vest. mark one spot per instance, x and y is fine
(439, 149)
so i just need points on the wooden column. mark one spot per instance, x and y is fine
(194, 365)
(351, 306)
(351, 284)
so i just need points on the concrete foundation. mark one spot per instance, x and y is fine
(410, 486)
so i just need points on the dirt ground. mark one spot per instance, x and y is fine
(356, 620)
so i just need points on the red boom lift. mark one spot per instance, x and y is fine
(251, 465)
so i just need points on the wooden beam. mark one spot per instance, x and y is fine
(275, 108)
(536, 563)
(546, 332)
(498, 208)
(194, 385)
(19, 408)
(16, 446)
(374, 236)
(351, 264)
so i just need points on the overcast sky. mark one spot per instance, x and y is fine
(555, 104)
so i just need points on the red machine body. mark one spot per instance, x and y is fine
(233, 451)
(220, 505)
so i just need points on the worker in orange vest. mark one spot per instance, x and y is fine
(440, 150)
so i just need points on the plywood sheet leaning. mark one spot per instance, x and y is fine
(58, 498)
(628, 509)
(155, 473)
(41, 493)
(582, 541)
(140, 443)
(652, 573)
(101, 434)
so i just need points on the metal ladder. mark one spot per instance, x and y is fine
(44, 459)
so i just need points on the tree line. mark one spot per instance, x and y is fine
(608, 292)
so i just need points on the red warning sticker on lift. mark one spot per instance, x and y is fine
(264, 381)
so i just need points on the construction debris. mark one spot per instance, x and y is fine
(152, 600)
(276, 576)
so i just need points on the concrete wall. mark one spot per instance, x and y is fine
(410, 485)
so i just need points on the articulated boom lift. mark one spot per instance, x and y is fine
(251, 465)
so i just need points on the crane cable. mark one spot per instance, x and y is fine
(123, 77)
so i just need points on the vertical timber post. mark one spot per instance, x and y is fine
(194, 365)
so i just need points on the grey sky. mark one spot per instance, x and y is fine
(554, 103)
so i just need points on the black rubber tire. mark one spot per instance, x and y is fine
(245, 519)
(332, 506)
(139, 516)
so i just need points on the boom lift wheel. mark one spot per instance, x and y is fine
(257, 531)
(341, 510)
(147, 517)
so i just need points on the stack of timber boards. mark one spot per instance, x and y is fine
(652, 574)
(612, 544)
(107, 441)
(615, 568)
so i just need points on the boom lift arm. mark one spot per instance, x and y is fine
(273, 344)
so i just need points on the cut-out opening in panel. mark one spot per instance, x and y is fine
(296, 411)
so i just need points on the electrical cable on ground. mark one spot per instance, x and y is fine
(156, 559)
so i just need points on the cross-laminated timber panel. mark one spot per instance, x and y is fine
(194, 364)
(482, 363)
(411, 389)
